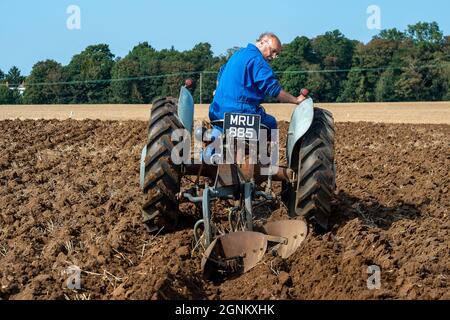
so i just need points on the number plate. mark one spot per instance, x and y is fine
(242, 126)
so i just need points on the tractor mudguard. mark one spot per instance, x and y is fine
(301, 120)
(186, 109)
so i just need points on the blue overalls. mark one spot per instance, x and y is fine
(244, 81)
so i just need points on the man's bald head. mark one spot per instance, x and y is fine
(269, 36)
(269, 45)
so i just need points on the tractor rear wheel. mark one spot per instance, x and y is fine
(162, 177)
(316, 172)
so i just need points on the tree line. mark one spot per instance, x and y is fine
(409, 65)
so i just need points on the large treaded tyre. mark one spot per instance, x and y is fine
(316, 171)
(162, 178)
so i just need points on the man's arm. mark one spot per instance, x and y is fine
(266, 81)
(286, 97)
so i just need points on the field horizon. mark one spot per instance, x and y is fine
(385, 112)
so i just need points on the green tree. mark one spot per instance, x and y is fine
(391, 35)
(398, 65)
(201, 56)
(422, 77)
(121, 91)
(14, 78)
(427, 34)
(141, 61)
(298, 54)
(446, 75)
(39, 87)
(424, 62)
(334, 52)
(446, 68)
(408, 86)
(393, 66)
(369, 63)
(355, 87)
(203, 60)
(296, 58)
(179, 70)
(9, 96)
(292, 81)
(385, 87)
(90, 71)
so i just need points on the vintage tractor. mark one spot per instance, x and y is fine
(235, 244)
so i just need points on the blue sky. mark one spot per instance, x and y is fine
(36, 30)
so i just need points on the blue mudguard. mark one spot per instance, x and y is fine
(186, 109)
(301, 120)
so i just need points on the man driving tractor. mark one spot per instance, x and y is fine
(307, 180)
(247, 78)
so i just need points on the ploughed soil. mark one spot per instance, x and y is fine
(69, 196)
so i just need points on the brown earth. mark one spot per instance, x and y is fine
(69, 195)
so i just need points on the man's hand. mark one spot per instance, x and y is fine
(304, 93)
(301, 98)
(286, 97)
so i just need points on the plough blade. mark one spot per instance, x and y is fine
(294, 231)
(233, 254)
